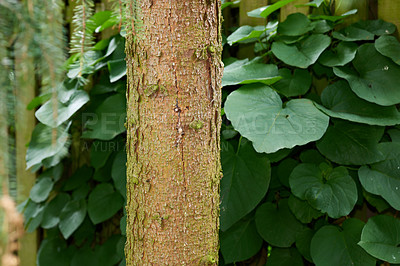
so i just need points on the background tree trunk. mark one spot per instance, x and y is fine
(173, 123)
(24, 125)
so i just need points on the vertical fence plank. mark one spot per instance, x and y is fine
(389, 10)
(293, 8)
(249, 5)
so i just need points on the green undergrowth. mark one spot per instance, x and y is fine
(310, 148)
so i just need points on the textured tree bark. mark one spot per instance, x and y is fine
(173, 123)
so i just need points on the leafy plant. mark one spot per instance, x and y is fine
(327, 152)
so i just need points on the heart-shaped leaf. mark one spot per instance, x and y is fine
(341, 102)
(108, 119)
(245, 181)
(51, 216)
(276, 224)
(331, 191)
(375, 82)
(304, 53)
(381, 238)
(332, 246)
(351, 143)
(303, 210)
(240, 242)
(71, 217)
(295, 24)
(53, 251)
(103, 203)
(257, 113)
(45, 114)
(284, 257)
(246, 34)
(377, 27)
(389, 46)
(41, 146)
(118, 172)
(303, 242)
(246, 72)
(351, 33)
(293, 85)
(41, 190)
(343, 54)
(383, 178)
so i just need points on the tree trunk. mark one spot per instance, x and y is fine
(173, 123)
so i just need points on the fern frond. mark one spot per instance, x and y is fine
(118, 11)
(82, 38)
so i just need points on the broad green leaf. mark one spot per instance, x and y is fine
(334, 18)
(315, 3)
(85, 232)
(332, 246)
(117, 69)
(103, 203)
(285, 168)
(107, 24)
(37, 101)
(303, 242)
(33, 214)
(228, 3)
(118, 172)
(81, 192)
(100, 151)
(394, 134)
(311, 156)
(389, 46)
(351, 143)
(375, 82)
(383, 178)
(340, 56)
(108, 253)
(41, 146)
(98, 19)
(341, 102)
(381, 238)
(376, 201)
(351, 34)
(304, 53)
(293, 85)
(51, 215)
(256, 13)
(85, 256)
(246, 72)
(271, 8)
(53, 251)
(303, 210)
(108, 119)
(41, 190)
(377, 27)
(71, 217)
(245, 34)
(277, 156)
(295, 24)
(321, 26)
(244, 184)
(276, 224)
(331, 191)
(257, 113)
(240, 242)
(80, 177)
(284, 257)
